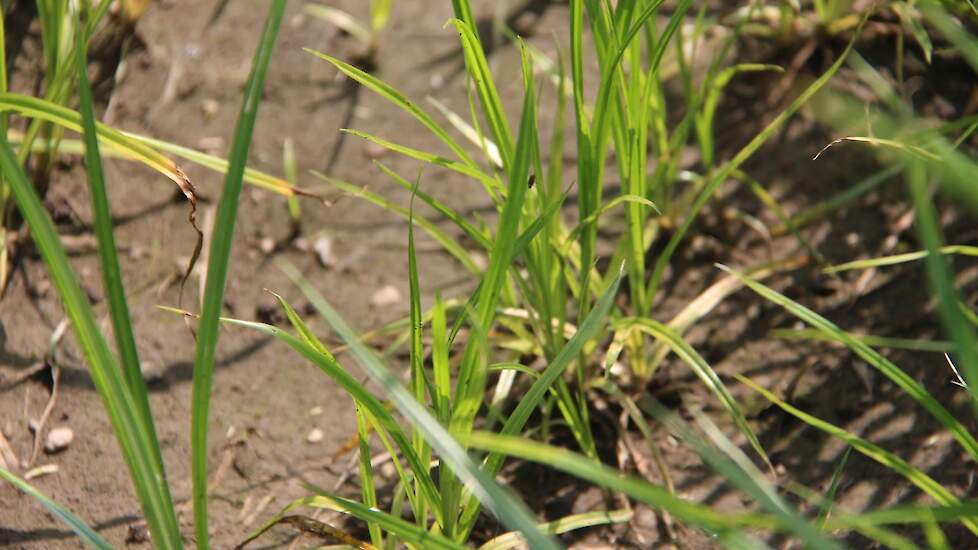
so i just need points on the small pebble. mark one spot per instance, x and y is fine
(315, 436)
(209, 107)
(375, 150)
(385, 296)
(266, 245)
(324, 251)
(211, 144)
(362, 113)
(302, 244)
(152, 371)
(58, 439)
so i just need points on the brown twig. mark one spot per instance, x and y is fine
(22, 375)
(48, 409)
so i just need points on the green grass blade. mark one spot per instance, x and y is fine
(635, 487)
(108, 255)
(492, 107)
(956, 325)
(470, 230)
(439, 362)
(138, 447)
(418, 377)
(963, 250)
(826, 507)
(84, 532)
(507, 507)
(310, 347)
(217, 269)
(938, 346)
(740, 471)
(487, 181)
(720, 175)
(704, 372)
(921, 480)
(871, 356)
(447, 242)
(470, 387)
(534, 396)
(397, 98)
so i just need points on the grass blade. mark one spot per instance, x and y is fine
(507, 508)
(217, 269)
(704, 372)
(138, 447)
(921, 480)
(941, 279)
(871, 356)
(721, 174)
(84, 532)
(397, 98)
(560, 526)
(585, 468)
(108, 255)
(533, 397)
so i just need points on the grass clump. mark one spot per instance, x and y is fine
(546, 286)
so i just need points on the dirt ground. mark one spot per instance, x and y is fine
(184, 85)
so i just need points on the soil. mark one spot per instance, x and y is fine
(184, 85)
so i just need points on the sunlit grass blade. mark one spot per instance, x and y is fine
(533, 397)
(474, 135)
(221, 166)
(560, 526)
(84, 532)
(466, 170)
(913, 388)
(921, 480)
(704, 372)
(449, 243)
(505, 506)
(470, 230)
(397, 98)
(376, 412)
(36, 108)
(492, 107)
(252, 176)
(217, 269)
(729, 461)
(409, 533)
(604, 476)
(470, 385)
(720, 175)
(939, 346)
(896, 259)
(138, 447)
(341, 19)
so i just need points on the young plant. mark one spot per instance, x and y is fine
(120, 382)
(561, 276)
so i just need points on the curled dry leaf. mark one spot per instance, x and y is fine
(187, 187)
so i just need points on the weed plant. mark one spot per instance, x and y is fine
(544, 283)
